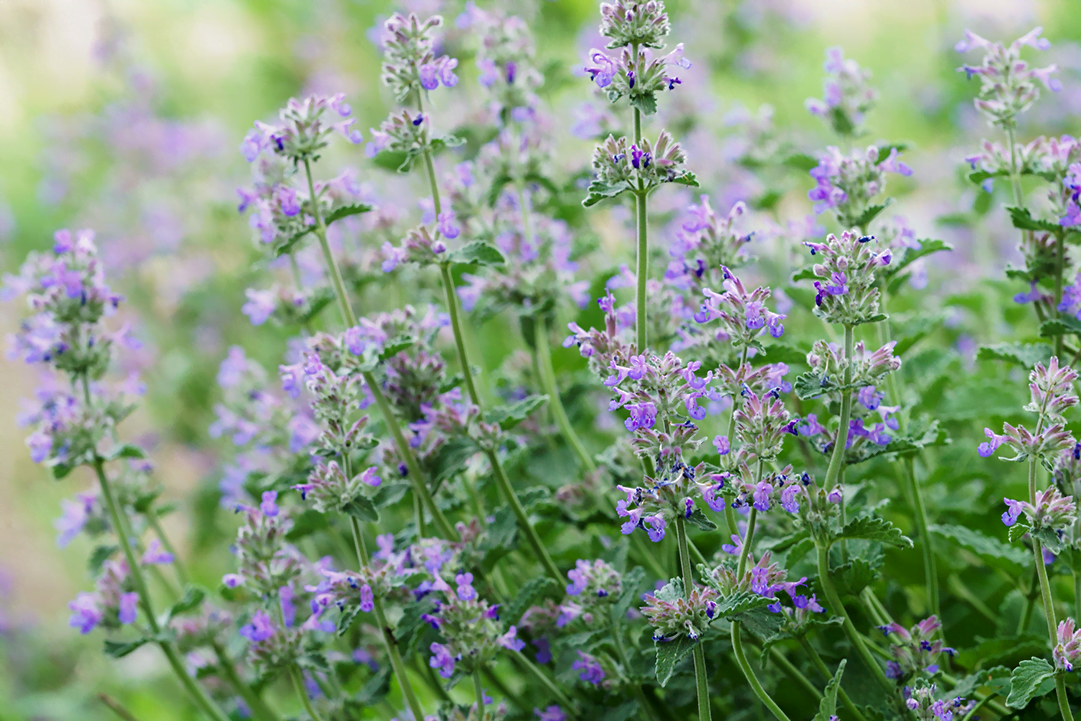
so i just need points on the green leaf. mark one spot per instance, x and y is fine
(788, 632)
(669, 654)
(802, 275)
(60, 469)
(1032, 678)
(411, 626)
(967, 686)
(990, 550)
(892, 275)
(873, 528)
(193, 598)
(287, 245)
(345, 211)
(781, 353)
(346, 618)
(827, 707)
(622, 712)
(801, 161)
(361, 507)
(508, 416)
(852, 577)
(1025, 355)
(477, 252)
(120, 649)
(100, 555)
(645, 102)
(701, 520)
(741, 602)
(306, 523)
(389, 493)
(1060, 326)
(528, 594)
(870, 214)
(126, 450)
(686, 178)
(810, 385)
(761, 622)
(1023, 220)
(632, 588)
(376, 688)
(671, 591)
(600, 190)
(374, 355)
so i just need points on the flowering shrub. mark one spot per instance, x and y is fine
(748, 477)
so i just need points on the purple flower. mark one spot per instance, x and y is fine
(1013, 511)
(367, 599)
(590, 668)
(552, 713)
(544, 651)
(442, 660)
(603, 70)
(156, 555)
(289, 609)
(994, 440)
(446, 225)
(655, 527)
(259, 629)
(510, 640)
(232, 580)
(643, 415)
(260, 305)
(268, 506)
(466, 592)
(722, 444)
(85, 613)
(127, 612)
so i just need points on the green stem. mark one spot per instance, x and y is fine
(298, 685)
(1030, 598)
(1060, 264)
(333, 271)
(116, 707)
(205, 703)
(524, 524)
(642, 272)
(543, 680)
(794, 673)
(1045, 595)
(258, 707)
(837, 459)
(548, 382)
(748, 672)
(827, 674)
(850, 630)
(700, 674)
(459, 339)
(478, 693)
(178, 565)
(397, 665)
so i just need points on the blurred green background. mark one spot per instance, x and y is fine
(125, 116)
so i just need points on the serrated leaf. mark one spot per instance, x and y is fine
(362, 508)
(287, 246)
(646, 103)
(873, 528)
(478, 252)
(781, 353)
(347, 618)
(802, 275)
(452, 459)
(389, 493)
(686, 178)
(827, 707)
(669, 654)
(528, 594)
(990, 550)
(810, 385)
(192, 599)
(508, 416)
(852, 577)
(671, 591)
(789, 632)
(741, 602)
(120, 649)
(801, 161)
(1032, 678)
(870, 214)
(376, 354)
(1023, 220)
(967, 686)
(306, 523)
(345, 211)
(698, 519)
(1025, 355)
(632, 588)
(1060, 326)
(760, 622)
(600, 190)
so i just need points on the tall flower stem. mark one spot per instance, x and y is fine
(642, 271)
(478, 693)
(416, 476)
(819, 664)
(548, 382)
(298, 685)
(833, 472)
(854, 637)
(397, 665)
(202, 700)
(258, 706)
(547, 683)
(524, 524)
(930, 566)
(700, 675)
(1045, 591)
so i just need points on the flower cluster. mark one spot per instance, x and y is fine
(1052, 514)
(848, 184)
(113, 603)
(409, 61)
(1007, 83)
(623, 164)
(470, 627)
(847, 95)
(1068, 648)
(505, 61)
(675, 614)
(922, 702)
(915, 651)
(704, 244)
(764, 578)
(265, 561)
(302, 129)
(594, 587)
(846, 293)
(1051, 390)
(743, 314)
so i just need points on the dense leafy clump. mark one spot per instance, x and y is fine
(746, 476)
